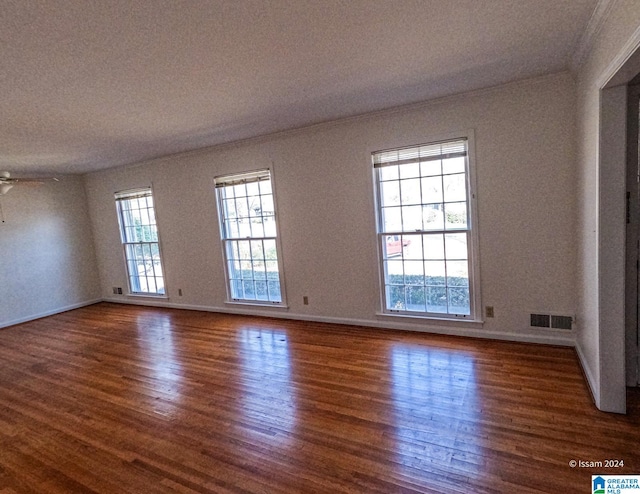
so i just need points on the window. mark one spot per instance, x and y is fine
(249, 236)
(139, 233)
(426, 231)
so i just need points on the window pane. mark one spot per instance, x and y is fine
(244, 228)
(248, 289)
(236, 289)
(392, 219)
(411, 170)
(411, 218)
(456, 245)
(453, 165)
(246, 270)
(236, 191)
(433, 246)
(410, 191)
(244, 249)
(230, 208)
(233, 269)
(455, 214)
(457, 273)
(459, 300)
(259, 270)
(413, 272)
(455, 188)
(270, 226)
(390, 193)
(430, 168)
(415, 297)
(267, 205)
(273, 286)
(265, 187)
(255, 206)
(253, 189)
(435, 273)
(432, 189)
(395, 272)
(233, 231)
(433, 217)
(395, 296)
(257, 228)
(412, 247)
(242, 207)
(437, 299)
(261, 290)
(388, 173)
(272, 270)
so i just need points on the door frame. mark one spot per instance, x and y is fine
(632, 266)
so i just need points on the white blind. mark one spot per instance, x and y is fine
(416, 154)
(242, 178)
(133, 194)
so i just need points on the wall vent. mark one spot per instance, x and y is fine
(540, 320)
(551, 321)
(561, 322)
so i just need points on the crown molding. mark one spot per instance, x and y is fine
(599, 16)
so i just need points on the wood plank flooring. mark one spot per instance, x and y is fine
(125, 399)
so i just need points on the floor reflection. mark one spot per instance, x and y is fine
(436, 405)
(268, 401)
(157, 344)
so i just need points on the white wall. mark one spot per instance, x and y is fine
(524, 134)
(601, 216)
(48, 262)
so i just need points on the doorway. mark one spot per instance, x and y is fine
(632, 268)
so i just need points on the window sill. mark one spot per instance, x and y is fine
(147, 295)
(257, 303)
(434, 319)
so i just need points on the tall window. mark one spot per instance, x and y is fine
(249, 236)
(425, 230)
(139, 233)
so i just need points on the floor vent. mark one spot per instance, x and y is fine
(551, 321)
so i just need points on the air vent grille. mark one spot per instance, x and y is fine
(561, 322)
(540, 320)
(551, 321)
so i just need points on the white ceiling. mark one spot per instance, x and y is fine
(86, 85)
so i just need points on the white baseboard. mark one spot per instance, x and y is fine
(588, 372)
(275, 312)
(33, 317)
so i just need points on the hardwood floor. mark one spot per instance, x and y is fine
(113, 399)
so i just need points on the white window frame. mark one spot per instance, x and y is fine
(471, 230)
(232, 240)
(130, 243)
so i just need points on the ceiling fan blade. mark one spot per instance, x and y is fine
(7, 182)
(33, 180)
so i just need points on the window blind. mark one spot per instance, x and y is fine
(125, 195)
(242, 178)
(418, 154)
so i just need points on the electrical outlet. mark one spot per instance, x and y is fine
(305, 300)
(115, 290)
(119, 291)
(179, 292)
(488, 311)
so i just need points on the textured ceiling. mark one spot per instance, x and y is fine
(86, 85)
